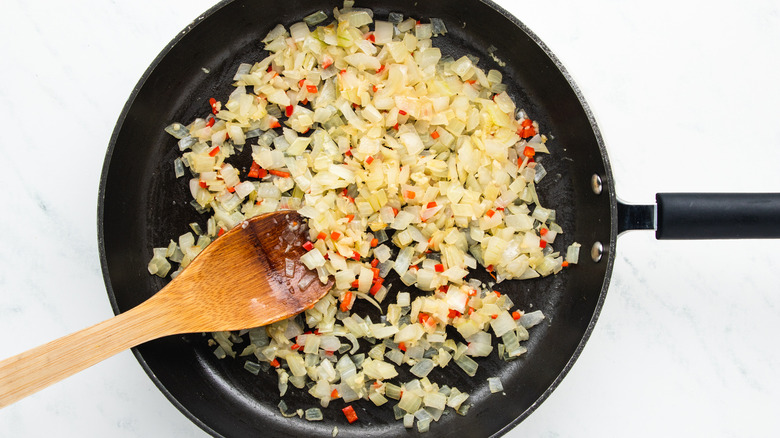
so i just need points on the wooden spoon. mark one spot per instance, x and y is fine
(249, 277)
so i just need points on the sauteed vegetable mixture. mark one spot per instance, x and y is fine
(404, 162)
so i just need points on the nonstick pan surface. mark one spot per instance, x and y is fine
(628, 286)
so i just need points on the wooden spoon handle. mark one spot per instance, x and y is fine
(35, 369)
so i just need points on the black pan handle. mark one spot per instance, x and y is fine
(688, 216)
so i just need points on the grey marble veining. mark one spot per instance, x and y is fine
(686, 95)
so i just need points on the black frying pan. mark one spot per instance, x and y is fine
(142, 206)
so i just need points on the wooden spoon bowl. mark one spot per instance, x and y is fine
(249, 277)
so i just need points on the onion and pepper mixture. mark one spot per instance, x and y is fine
(403, 161)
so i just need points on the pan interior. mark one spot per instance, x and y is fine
(142, 205)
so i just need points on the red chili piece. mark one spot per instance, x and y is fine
(377, 285)
(346, 303)
(254, 170)
(279, 173)
(349, 412)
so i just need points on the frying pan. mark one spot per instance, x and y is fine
(225, 400)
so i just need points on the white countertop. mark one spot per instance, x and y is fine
(686, 94)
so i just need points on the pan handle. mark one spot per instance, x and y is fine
(688, 216)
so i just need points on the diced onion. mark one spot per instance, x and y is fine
(315, 18)
(422, 368)
(494, 383)
(313, 414)
(573, 253)
(467, 364)
(531, 319)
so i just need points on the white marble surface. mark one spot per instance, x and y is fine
(686, 93)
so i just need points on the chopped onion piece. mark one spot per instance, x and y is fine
(276, 32)
(422, 368)
(456, 399)
(315, 18)
(410, 402)
(573, 253)
(502, 323)
(531, 319)
(467, 364)
(313, 414)
(494, 383)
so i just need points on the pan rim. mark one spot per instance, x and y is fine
(607, 181)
